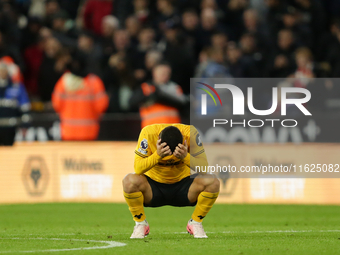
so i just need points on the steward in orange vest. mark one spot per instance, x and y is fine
(79, 101)
(159, 101)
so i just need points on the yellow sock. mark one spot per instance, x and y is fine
(135, 202)
(205, 201)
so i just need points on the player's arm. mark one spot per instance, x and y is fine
(194, 160)
(193, 154)
(198, 158)
(144, 158)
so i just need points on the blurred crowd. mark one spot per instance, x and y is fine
(121, 41)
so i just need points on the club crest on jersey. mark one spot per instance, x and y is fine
(144, 144)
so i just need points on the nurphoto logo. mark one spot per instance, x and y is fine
(239, 104)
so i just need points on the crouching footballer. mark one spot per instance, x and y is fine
(163, 176)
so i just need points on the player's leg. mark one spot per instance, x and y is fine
(205, 191)
(137, 191)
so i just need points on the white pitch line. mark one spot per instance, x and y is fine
(110, 244)
(289, 231)
(265, 231)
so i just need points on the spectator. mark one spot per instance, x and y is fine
(208, 26)
(49, 73)
(305, 67)
(179, 55)
(37, 9)
(212, 4)
(64, 30)
(71, 7)
(91, 52)
(122, 45)
(219, 41)
(302, 32)
(234, 17)
(33, 57)
(234, 61)
(190, 25)
(146, 42)
(281, 62)
(215, 67)
(152, 58)
(167, 15)
(203, 59)
(119, 81)
(160, 100)
(10, 50)
(14, 106)
(333, 45)
(190, 22)
(141, 11)
(51, 8)
(109, 25)
(273, 18)
(252, 25)
(313, 15)
(260, 7)
(30, 34)
(79, 98)
(121, 41)
(9, 22)
(133, 27)
(253, 57)
(94, 12)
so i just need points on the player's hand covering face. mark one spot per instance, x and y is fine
(181, 150)
(162, 149)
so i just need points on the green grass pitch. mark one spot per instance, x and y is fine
(232, 229)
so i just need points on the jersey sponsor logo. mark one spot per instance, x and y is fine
(144, 144)
(142, 151)
(198, 140)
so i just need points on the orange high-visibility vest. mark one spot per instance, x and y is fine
(158, 113)
(80, 109)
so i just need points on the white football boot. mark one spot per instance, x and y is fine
(140, 230)
(196, 229)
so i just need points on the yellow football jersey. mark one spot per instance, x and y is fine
(169, 169)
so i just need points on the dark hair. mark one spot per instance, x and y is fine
(171, 136)
(77, 65)
(162, 63)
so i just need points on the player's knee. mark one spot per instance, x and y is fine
(131, 183)
(213, 185)
(216, 185)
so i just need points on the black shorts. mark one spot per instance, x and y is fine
(175, 194)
